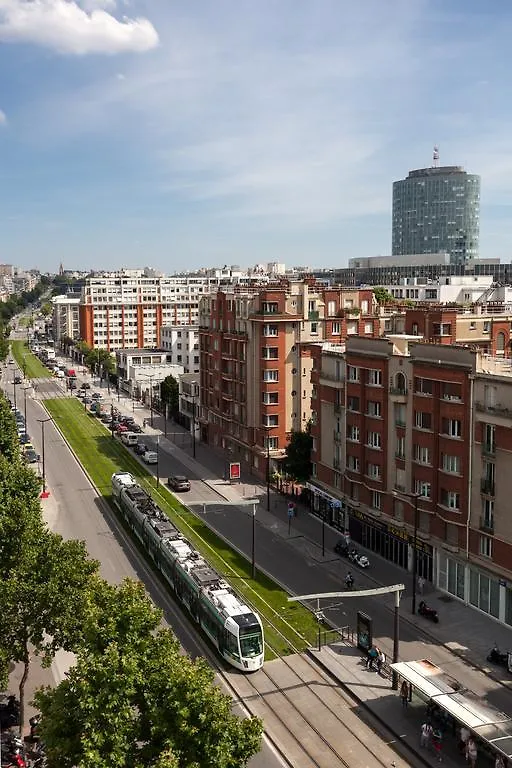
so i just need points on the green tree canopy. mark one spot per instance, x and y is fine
(9, 445)
(169, 392)
(382, 295)
(134, 700)
(297, 463)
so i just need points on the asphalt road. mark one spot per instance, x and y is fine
(79, 513)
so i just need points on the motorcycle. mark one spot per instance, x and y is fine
(341, 548)
(12, 753)
(349, 581)
(428, 612)
(353, 555)
(362, 561)
(495, 656)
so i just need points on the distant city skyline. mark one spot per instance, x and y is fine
(178, 135)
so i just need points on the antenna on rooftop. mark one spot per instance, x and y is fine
(435, 156)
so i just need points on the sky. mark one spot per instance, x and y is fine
(179, 134)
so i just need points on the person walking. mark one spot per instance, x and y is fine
(372, 656)
(464, 738)
(437, 743)
(381, 658)
(471, 752)
(499, 762)
(421, 585)
(426, 734)
(404, 694)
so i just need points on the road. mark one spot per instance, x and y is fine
(78, 512)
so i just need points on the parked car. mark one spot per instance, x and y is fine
(150, 457)
(28, 447)
(140, 449)
(122, 428)
(86, 385)
(96, 396)
(136, 428)
(87, 400)
(25, 438)
(179, 483)
(128, 420)
(106, 418)
(17, 379)
(30, 456)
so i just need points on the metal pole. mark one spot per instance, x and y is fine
(166, 413)
(414, 554)
(14, 383)
(151, 399)
(268, 473)
(323, 533)
(158, 461)
(253, 541)
(25, 394)
(194, 424)
(112, 419)
(396, 639)
(44, 468)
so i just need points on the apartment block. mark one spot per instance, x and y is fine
(128, 309)
(255, 361)
(65, 318)
(181, 342)
(412, 435)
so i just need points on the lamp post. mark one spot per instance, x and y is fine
(14, 385)
(414, 496)
(25, 408)
(42, 422)
(253, 549)
(157, 461)
(112, 420)
(267, 446)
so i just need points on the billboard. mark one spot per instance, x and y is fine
(234, 470)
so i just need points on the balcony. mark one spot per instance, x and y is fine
(400, 423)
(489, 449)
(495, 410)
(486, 524)
(398, 391)
(338, 407)
(313, 315)
(487, 486)
(338, 436)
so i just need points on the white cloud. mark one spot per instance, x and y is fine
(66, 27)
(3, 118)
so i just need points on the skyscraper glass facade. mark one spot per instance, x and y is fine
(437, 210)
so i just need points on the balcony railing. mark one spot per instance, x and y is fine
(489, 449)
(498, 410)
(398, 391)
(313, 315)
(487, 486)
(338, 407)
(487, 524)
(338, 436)
(336, 463)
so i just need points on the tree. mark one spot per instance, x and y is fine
(134, 700)
(47, 309)
(9, 444)
(43, 599)
(382, 295)
(169, 393)
(298, 455)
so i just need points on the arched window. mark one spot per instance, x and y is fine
(401, 383)
(500, 342)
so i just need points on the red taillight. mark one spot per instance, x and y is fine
(20, 761)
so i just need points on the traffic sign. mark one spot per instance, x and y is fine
(291, 509)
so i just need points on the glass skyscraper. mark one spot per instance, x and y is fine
(437, 210)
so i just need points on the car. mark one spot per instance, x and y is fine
(128, 420)
(28, 447)
(140, 449)
(87, 400)
(71, 384)
(150, 457)
(342, 548)
(106, 418)
(97, 396)
(17, 379)
(122, 428)
(30, 456)
(86, 385)
(136, 428)
(179, 483)
(25, 439)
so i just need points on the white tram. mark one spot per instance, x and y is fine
(234, 629)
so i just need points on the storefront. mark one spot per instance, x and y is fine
(475, 587)
(327, 507)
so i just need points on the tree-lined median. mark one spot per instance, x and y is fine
(27, 361)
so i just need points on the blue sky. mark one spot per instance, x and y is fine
(183, 134)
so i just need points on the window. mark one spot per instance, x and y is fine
(487, 326)
(422, 420)
(422, 454)
(422, 488)
(353, 433)
(270, 420)
(450, 499)
(331, 309)
(376, 500)
(489, 445)
(400, 479)
(452, 392)
(373, 408)
(353, 404)
(270, 375)
(270, 398)
(423, 386)
(373, 471)
(486, 546)
(352, 373)
(400, 447)
(272, 443)
(452, 427)
(368, 328)
(450, 464)
(269, 307)
(336, 328)
(373, 439)
(353, 463)
(487, 520)
(314, 328)
(400, 415)
(270, 330)
(375, 377)
(270, 353)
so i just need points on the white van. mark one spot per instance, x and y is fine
(129, 438)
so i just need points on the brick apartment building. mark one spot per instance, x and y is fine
(399, 423)
(255, 363)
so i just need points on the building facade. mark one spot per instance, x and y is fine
(141, 371)
(410, 436)
(255, 361)
(181, 342)
(435, 210)
(65, 318)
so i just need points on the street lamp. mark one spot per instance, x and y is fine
(414, 496)
(157, 460)
(267, 441)
(25, 388)
(42, 422)
(112, 419)
(14, 383)
(253, 549)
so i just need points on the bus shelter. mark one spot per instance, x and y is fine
(492, 727)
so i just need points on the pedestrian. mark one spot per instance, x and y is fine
(381, 658)
(499, 763)
(464, 738)
(437, 743)
(404, 694)
(471, 752)
(421, 584)
(425, 734)
(372, 655)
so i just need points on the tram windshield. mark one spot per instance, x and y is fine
(251, 645)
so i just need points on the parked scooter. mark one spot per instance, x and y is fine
(12, 753)
(353, 555)
(495, 656)
(362, 561)
(341, 548)
(428, 612)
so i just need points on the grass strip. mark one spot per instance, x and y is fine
(288, 626)
(28, 362)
